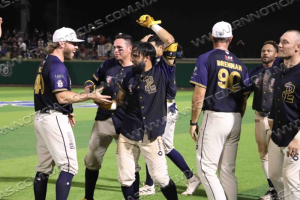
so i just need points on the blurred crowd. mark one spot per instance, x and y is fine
(21, 45)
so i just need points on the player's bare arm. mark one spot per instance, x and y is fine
(197, 103)
(120, 98)
(244, 106)
(170, 47)
(66, 97)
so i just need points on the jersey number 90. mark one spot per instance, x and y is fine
(227, 80)
(39, 83)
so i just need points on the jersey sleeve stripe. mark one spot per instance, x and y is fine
(95, 77)
(203, 86)
(59, 90)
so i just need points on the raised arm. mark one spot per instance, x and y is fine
(170, 47)
(0, 26)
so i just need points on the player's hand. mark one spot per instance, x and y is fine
(1, 20)
(107, 106)
(101, 98)
(72, 119)
(293, 148)
(89, 88)
(147, 21)
(145, 39)
(194, 131)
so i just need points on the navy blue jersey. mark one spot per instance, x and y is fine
(110, 74)
(225, 79)
(286, 106)
(52, 76)
(261, 84)
(146, 111)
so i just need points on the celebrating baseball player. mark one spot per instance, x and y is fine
(54, 118)
(168, 136)
(260, 77)
(145, 89)
(219, 79)
(284, 146)
(107, 123)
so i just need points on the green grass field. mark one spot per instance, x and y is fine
(18, 154)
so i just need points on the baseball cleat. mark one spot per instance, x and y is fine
(271, 194)
(147, 190)
(192, 185)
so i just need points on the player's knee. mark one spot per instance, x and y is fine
(161, 179)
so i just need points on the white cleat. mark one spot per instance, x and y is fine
(192, 185)
(147, 190)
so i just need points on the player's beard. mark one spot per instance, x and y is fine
(68, 54)
(139, 68)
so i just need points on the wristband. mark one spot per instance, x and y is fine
(156, 28)
(193, 124)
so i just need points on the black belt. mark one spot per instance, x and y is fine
(263, 114)
(48, 111)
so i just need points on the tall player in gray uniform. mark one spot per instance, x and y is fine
(107, 123)
(284, 163)
(262, 102)
(168, 136)
(218, 78)
(54, 119)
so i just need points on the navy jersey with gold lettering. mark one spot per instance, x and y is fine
(225, 79)
(110, 74)
(286, 106)
(146, 111)
(52, 77)
(262, 86)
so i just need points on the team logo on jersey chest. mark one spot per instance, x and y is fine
(108, 79)
(60, 83)
(288, 94)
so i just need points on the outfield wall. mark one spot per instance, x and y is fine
(23, 72)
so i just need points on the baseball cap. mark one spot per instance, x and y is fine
(65, 34)
(222, 30)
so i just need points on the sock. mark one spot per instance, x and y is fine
(128, 192)
(136, 184)
(91, 177)
(40, 186)
(63, 185)
(270, 183)
(179, 161)
(149, 180)
(170, 191)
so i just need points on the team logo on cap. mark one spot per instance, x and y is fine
(60, 83)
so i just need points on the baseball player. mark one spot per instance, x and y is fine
(107, 123)
(54, 119)
(145, 89)
(284, 118)
(168, 136)
(219, 79)
(262, 101)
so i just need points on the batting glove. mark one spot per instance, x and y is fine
(147, 21)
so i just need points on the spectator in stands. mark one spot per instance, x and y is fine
(40, 42)
(49, 37)
(14, 52)
(108, 48)
(22, 47)
(179, 52)
(82, 51)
